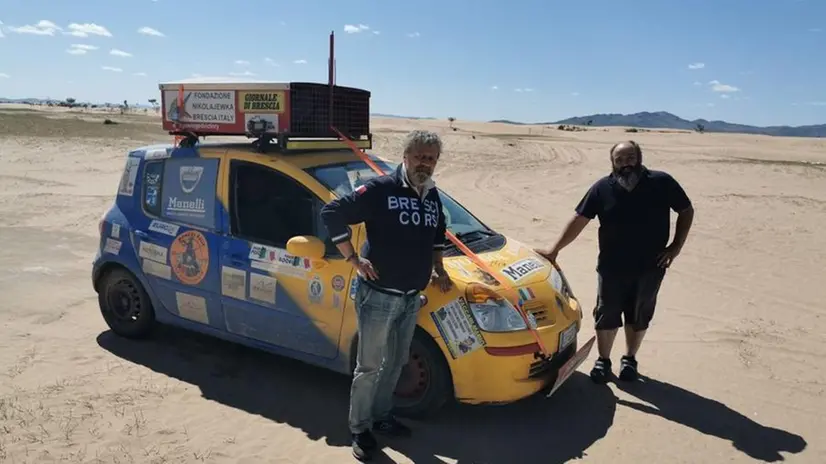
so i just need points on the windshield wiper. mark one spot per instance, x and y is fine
(485, 233)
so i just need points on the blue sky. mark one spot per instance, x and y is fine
(755, 61)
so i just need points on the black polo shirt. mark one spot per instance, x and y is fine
(634, 225)
(403, 228)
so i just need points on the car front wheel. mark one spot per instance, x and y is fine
(125, 306)
(425, 384)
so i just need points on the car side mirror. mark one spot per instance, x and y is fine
(306, 246)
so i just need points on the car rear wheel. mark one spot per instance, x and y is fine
(125, 306)
(425, 384)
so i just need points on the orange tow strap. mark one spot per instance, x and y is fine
(461, 246)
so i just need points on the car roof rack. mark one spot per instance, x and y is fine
(279, 116)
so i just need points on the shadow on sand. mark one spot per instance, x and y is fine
(315, 400)
(711, 418)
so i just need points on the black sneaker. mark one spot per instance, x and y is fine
(628, 369)
(391, 427)
(364, 444)
(601, 370)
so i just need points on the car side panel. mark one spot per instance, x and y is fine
(185, 287)
(268, 301)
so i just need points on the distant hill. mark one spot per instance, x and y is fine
(385, 115)
(664, 120)
(656, 120)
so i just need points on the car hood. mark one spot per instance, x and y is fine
(518, 262)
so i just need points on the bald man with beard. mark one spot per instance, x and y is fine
(634, 207)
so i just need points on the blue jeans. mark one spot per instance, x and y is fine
(385, 324)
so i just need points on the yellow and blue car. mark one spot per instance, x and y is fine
(226, 239)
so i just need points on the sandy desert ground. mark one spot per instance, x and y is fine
(735, 358)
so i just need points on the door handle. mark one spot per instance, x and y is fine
(237, 260)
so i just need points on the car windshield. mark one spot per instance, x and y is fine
(345, 177)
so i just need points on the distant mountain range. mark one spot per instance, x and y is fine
(656, 120)
(665, 120)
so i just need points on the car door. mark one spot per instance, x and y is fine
(267, 294)
(178, 240)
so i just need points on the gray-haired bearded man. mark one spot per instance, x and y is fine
(406, 228)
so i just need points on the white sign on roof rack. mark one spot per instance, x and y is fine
(226, 108)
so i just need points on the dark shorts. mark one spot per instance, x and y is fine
(631, 295)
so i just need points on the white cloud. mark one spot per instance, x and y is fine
(117, 52)
(698, 83)
(351, 29)
(146, 30)
(696, 66)
(495, 87)
(377, 32)
(817, 103)
(141, 74)
(80, 49)
(300, 61)
(523, 90)
(109, 68)
(87, 29)
(414, 34)
(725, 96)
(270, 62)
(43, 27)
(242, 74)
(1, 30)
(4, 76)
(717, 86)
(242, 62)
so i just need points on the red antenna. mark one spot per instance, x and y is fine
(331, 75)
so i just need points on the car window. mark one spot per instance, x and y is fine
(181, 190)
(269, 207)
(152, 177)
(343, 178)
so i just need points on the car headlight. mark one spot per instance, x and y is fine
(493, 312)
(559, 283)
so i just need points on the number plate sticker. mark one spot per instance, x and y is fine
(567, 337)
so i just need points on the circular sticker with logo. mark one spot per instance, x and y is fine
(189, 257)
(338, 283)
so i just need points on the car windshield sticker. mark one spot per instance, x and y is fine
(458, 330)
(130, 173)
(315, 288)
(262, 287)
(164, 228)
(157, 269)
(151, 251)
(112, 246)
(189, 257)
(234, 282)
(277, 260)
(523, 268)
(189, 190)
(192, 307)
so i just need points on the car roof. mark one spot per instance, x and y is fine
(300, 160)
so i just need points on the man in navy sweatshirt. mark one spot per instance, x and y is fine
(402, 213)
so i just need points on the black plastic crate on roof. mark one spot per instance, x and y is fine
(310, 110)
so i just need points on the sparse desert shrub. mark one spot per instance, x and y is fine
(631, 129)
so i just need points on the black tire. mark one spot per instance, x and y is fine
(124, 305)
(428, 370)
